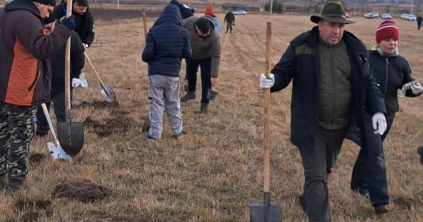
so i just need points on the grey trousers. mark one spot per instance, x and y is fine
(163, 94)
(317, 163)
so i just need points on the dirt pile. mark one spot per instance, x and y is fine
(84, 191)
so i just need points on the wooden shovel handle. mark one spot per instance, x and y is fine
(67, 62)
(266, 102)
(144, 22)
(92, 66)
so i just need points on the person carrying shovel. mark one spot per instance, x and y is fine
(57, 93)
(23, 82)
(328, 103)
(164, 56)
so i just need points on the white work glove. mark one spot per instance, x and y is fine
(84, 82)
(379, 123)
(266, 83)
(76, 82)
(105, 96)
(416, 88)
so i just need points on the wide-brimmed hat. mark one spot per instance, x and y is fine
(333, 12)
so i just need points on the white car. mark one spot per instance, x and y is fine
(408, 17)
(386, 16)
(240, 12)
(371, 15)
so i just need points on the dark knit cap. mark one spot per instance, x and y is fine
(50, 19)
(46, 2)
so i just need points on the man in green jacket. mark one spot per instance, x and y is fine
(205, 45)
(230, 20)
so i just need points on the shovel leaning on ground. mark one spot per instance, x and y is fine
(266, 212)
(109, 94)
(71, 134)
(55, 149)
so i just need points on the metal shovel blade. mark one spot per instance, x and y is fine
(57, 153)
(71, 137)
(265, 212)
(110, 94)
(211, 95)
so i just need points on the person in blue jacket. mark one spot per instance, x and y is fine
(210, 12)
(164, 56)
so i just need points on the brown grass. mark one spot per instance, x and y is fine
(215, 171)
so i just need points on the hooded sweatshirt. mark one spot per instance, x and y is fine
(205, 47)
(24, 50)
(84, 23)
(164, 54)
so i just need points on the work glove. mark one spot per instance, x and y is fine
(266, 83)
(379, 123)
(105, 96)
(69, 22)
(76, 82)
(84, 82)
(416, 88)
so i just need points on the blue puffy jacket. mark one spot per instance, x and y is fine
(167, 43)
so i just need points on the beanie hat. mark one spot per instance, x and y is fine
(46, 2)
(50, 19)
(387, 30)
(209, 11)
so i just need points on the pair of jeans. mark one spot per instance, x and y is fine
(369, 172)
(191, 72)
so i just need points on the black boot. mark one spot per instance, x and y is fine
(188, 96)
(3, 182)
(204, 108)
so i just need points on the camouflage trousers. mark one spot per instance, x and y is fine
(16, 131)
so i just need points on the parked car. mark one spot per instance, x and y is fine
(240, 12)
(408, 17)
(347, 15)
(386, 16)
(371, 15)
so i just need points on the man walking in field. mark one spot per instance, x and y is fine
(419, 22)
(23, 84)
(333, 96)
(230, 20)
(205, 44)
(164, 56)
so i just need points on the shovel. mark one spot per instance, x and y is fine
(266, 212)
(108, 91)
(71, 134)
(55, 149)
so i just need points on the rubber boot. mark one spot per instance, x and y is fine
(14, 186)
(204, 108)
(3, 182)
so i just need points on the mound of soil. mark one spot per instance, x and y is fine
(406, 203)
(36, 158)
(97, 104)
(84, 191)
(32, 203)
(30, 216)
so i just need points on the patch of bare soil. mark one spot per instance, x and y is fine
(406, 203)
(30, 216)
(32, 203)
(97, 104)
(84, 191)
(36, 158)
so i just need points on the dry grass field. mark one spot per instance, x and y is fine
(215, 171)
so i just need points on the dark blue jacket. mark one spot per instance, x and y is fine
(301, 64)
(167, 43)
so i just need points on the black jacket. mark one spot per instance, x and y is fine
(84, 23)
(391, 73)
(301, 64)
(77, 63)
